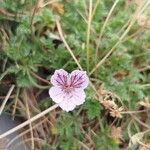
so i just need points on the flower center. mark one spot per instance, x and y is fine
(68, 89)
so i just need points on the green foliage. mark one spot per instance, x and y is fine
(31, 45)
(103, 142)
(68, 129)
(45, 103)
(93, 108)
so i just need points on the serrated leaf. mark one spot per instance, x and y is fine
(93, 108)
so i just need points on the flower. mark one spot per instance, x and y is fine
(68, 89)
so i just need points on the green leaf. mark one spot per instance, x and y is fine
(93, 108)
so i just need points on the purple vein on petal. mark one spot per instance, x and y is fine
(59, 82)
(60, 77)
(78, 85)
(65, 79)
(76, 81)
(72, 80)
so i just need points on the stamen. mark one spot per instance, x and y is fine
(68, 89)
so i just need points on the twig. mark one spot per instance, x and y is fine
(95, 7)
(23, 133)
(28, 121)
(134, 112)
(88, 35)
(66, 44)
(40, 78)
(49, 2)
(5, 12)
(140, 122)
(36, 7)
(35, 139)
(11, 96)
(6, 98)
(146, 85)
(103, 28)
(15, 105)
(30, 124)
(120, 39)
(83, 145)
(34, 83)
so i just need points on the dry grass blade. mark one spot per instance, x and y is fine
(40, 78)
(140, 9)
(28, 121)
(83, 145)
(15, 105)
(88, 34)
(3, 11)
(67, 46)
(30, 124)
(36, 140)
(103, 28)
(49, 2)
(23, 133)
(6, 98)
(95, 7)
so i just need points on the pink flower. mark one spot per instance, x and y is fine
(68, 89)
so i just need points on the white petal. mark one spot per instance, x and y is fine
(79, 79)
(78, 96)
(56, 94)
(67, 105)
(59, 78)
